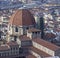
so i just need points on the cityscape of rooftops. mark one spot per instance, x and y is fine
(29, 28)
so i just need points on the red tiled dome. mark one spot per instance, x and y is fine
(22, 17)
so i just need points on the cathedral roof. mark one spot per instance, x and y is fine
(22, 17)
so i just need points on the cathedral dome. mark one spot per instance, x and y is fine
(22, 17)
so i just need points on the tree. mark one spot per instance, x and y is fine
(42, 26)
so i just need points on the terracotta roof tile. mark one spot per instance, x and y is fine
(4, 47)
(24, 37)
(30, 56)
(50, 35)
(58, 29)
(12, 43)
(46, 44)
(41, 53)
(22, 17)
(33, 30)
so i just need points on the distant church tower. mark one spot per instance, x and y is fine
(19, 23)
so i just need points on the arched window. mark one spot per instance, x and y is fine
(15, 37)
(16, 29)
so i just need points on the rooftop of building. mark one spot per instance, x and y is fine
(33, 30)
(24, 38)
(46, 44)
(4, 47)
(40, 52)
(58, 29)
(22, 17)
(30, 56)
(50, 35)
(12, 43)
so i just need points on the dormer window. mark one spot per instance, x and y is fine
(16, 29)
